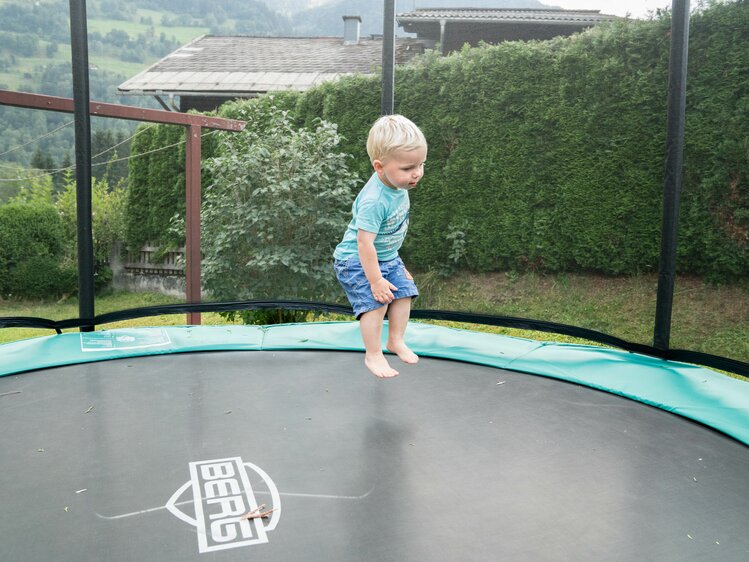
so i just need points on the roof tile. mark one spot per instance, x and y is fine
(251, 64)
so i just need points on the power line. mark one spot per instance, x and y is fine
(72, 167)
(143, 130)
(53, 170)
(53, 131)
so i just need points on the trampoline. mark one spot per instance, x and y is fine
(152, 444)
(275, 442)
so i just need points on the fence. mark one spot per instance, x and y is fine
(150, 269)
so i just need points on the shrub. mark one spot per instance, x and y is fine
(41, 277)
(107, 223)
(31, 235)
(36, 207)
(278, 206)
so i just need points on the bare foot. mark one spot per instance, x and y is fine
(403, 352)
(379, 366)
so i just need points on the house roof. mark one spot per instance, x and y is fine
(226, 65)
(530, 16)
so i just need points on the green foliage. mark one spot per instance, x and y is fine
(138, 189)
(107, 148)
(262, 108)
(47, 20)
(552, 153)
(456, 237)
(10, 181)
(48, 268)
(715, 210)
(279, 201)
(156, 185)
(353, 102)
(32, 245)
(549, 156)
(107, 223)
(40, 277)
(23, 44)
(37, 190)
(265, 316)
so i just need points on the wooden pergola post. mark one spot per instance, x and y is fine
(192, 220)
(194, 124)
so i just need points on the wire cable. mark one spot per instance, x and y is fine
(132, 156)
(52, 132)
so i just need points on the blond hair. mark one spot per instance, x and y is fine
(391, 133)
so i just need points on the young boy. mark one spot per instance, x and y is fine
(366, 261)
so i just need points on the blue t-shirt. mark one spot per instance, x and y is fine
(379, 209)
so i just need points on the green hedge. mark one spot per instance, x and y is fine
(550, 155)
(156, 183)
(32, 244)
(715, 213)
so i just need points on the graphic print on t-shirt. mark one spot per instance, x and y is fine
(393, 230)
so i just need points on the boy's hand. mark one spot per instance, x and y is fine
(382, 290)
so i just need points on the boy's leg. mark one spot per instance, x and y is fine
(399, 312)
(370, 324)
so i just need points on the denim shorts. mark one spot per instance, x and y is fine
(351, 276)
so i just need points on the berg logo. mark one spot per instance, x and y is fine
(227, 515)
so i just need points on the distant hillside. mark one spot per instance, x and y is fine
(126, 36)
(326, 19)
(289, 7)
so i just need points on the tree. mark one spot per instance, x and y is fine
(51, 49)
(42, 161)
(109, 149)
(278, 205)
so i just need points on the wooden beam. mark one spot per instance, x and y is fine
(101, 109)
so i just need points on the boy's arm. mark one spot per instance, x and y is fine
(382, 289)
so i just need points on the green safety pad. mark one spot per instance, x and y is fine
(694, 392)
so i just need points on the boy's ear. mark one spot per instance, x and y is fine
(377, 165)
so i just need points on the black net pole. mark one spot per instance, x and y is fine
(79, 52)
(388, 59)
(677, 94)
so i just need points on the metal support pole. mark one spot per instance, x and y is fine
(677, 94)
(388, 59)
(443, 26)
(192, 220)
(79, 52)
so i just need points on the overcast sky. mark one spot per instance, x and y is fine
(636, 8)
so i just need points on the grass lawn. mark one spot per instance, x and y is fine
(28, 65)
(134, 28)
(108, 303)
(116, 66)
(31, 65)
(11, 80)
(708, 318)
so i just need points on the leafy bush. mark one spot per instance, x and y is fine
(41, 277)
(32, 245)
(107, 223)
(277, 207)
(40, 250)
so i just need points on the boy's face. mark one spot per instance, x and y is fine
(402, 169)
